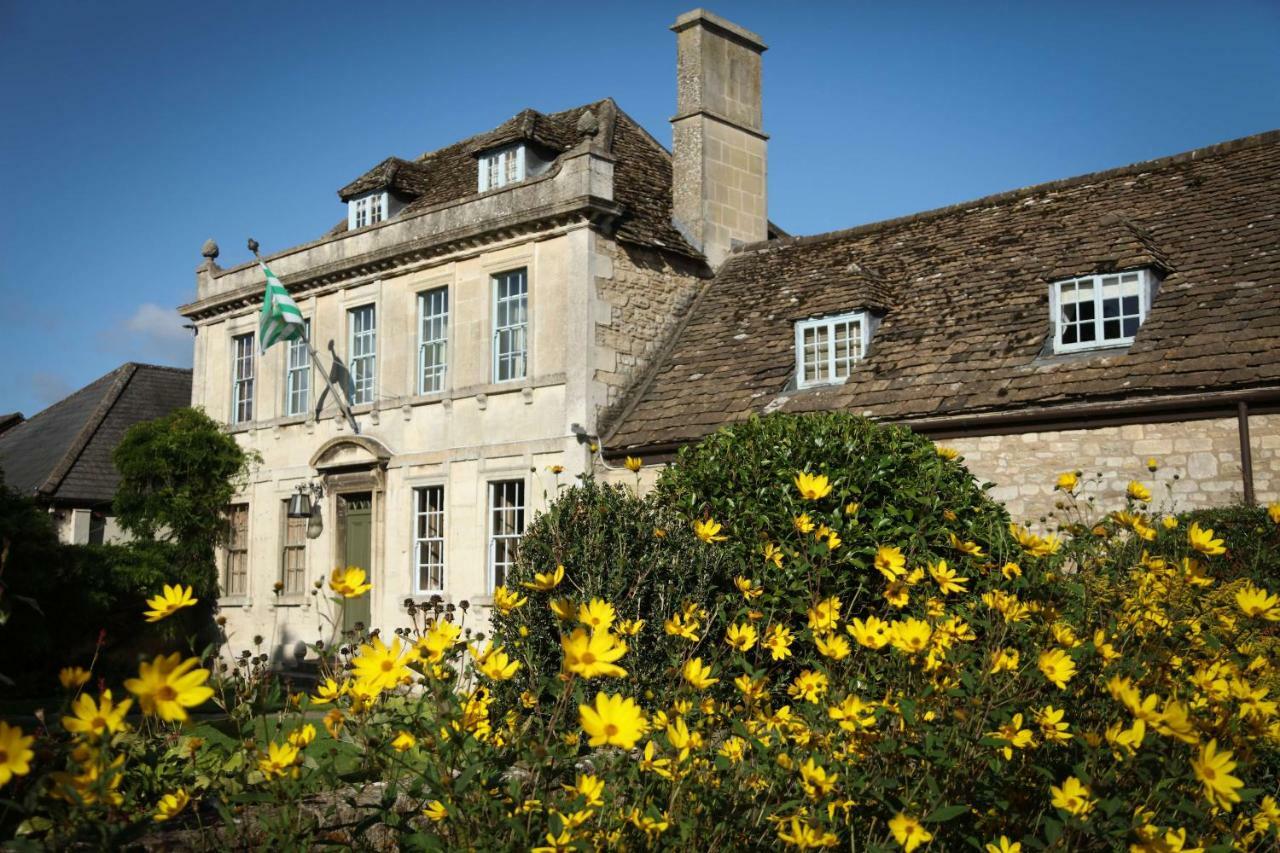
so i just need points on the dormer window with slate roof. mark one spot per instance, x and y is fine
(827, 348)
(502, 166)
(368, 209)
(1099, 311)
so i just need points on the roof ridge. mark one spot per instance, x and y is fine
(1256, 140)
(59, 471)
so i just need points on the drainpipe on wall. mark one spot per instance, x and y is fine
(1246, 452)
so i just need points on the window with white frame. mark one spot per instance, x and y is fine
(827, 348)
(242, 378)
(433, 339)
(363, 349)
(501, 166)
(428, 539)
(293, 553)
(510, 325)
(297, 373)
(367, 210)
(235, 569)
(506, 526)
(1095, 311)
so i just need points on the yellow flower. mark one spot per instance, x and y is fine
(741, 637)
(1273, 512)
(1034, 545)
(1201, 539)
(438, 641)
(349, 582)
(597, 614)
(1169, 522)
(734, 749)
(1105, 650)
(281, 757)
(563, 609)
(817, 782)
(1004, 845)
(946, 452)
(803, 523)
(592, 655)
(1138, 492)
(1004, 660)
(1011, 571)
(73, 677)
(708, 530)
(897, 594)
(1072, 797)
(1152, 464)
(329, 691)
(403, 741)
(167, 686)
(778, 641)
(633, 464)
(812, 487)
(909, 832)
(804, 835)
(833, 646)
(1057, 666)
(15, 752)
(833, 540)
(630, 627)
(173, 599)
(303, 736)
(1255, 601)
(872, 632)
(435, 811)
(810, 685)
(853, 714)
(749, 591)
(1014, 736)
(680, 625)
(1068, 482)
(381, 667)
(95, 719)
(946, 578)
(170, 805)
(772, 554)
(495, 663)
(910, 636)
(333, 722)
(890, 562)
(612, 720)
(973, 549)
(545, 582)
(1213, 768)
(825, 615)
(697, 675)
(590, 788)
(507, 600)
(1053, 728)
(649, 764)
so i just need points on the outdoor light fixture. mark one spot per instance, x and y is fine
(300, 505)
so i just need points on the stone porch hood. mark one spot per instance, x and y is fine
(579, 188)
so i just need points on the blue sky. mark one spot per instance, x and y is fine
(134, 131)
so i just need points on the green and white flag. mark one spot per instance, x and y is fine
(281, 319)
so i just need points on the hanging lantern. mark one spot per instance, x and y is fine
(300, 504)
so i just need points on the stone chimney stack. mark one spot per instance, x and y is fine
(718, 145)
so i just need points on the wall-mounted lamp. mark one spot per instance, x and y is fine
(305, 503)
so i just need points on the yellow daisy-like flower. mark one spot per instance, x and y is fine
(349, 582)
(563, 609)
(381, 667)
(1003, 845)
(403, 741)
(629, 627)
(802, 523)
(633, 464)
(173, 599)
(435, 811)
(95, 719)
(778, 641)
(1273, 512)
(1257, 602)
(946, 578)
(545, 582)
(810, 685)
(816, 780)
(329, 691)
(1213, 768)
(280, 759)
(708, 530)
(910, 636)
(73, 677)
(15, 752)
(1053, 728)
(508, 601)
(909, 832)
(1014, 736)
(1004, 660)
(812, 487)
(1138, 492)
(303, 736)
(167, 686)
(1011, 571)
(749, 590)
(948, 453)
(964, 546)
(333, 722)
(741, 637)
(890, 562)
(825, 614)
(170, 805)
(772, 554)
(698, 675)
(833, 646)
(1169, 522)
(1072, 797)
(1057, 666)
(438, 641)
(1201, 539)
(872, 632)
(494, 663)
(597, 614)
(804, 836)
(1068, 482)
(593, 655)
(613, 720)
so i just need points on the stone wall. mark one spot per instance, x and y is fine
(1199, 463)
(640, 295)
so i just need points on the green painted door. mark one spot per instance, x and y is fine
(357, 540)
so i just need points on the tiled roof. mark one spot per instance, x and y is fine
(642, 169)
(9, 420)
(967, 294)
(63, 454)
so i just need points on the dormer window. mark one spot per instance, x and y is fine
(366, 210)
(502, 166)
(1097, 311)
(827, 348)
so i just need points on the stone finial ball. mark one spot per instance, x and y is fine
(209, 249)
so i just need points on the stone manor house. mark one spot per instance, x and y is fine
(548, 297)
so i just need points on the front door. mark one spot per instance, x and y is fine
(357, 538)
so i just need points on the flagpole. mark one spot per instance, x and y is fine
(315, 359)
